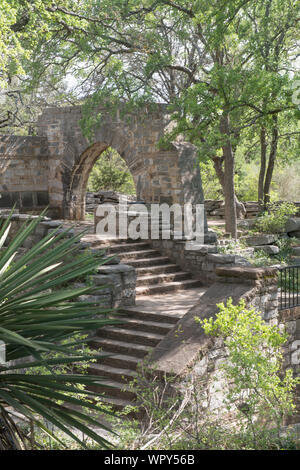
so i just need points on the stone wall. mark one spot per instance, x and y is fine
(201, 260)
(289, 319)
(216, 208)
(177, 352)
(186, 351)
(24, 172)
(121, 280)
(53, 167)
(93, 199)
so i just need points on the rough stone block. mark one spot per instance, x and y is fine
(293, 225)
(268, 249)
(258, 240)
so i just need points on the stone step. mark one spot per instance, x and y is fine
(150, 316)
(124, 248)
(120, 347)
(113, 241)
(128, 335)
(147, 262)
(142, 254)
(114, 389)
(160, 269)
(113, 373)
(162, 278)
(167, 287)
(160, 328)
(120, 361)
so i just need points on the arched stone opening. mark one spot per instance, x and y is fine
(162, 175)
(80, 176)
(54, 165)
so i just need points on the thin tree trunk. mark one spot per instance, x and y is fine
(229, 192)
(271, 163)
(218, 166)
(263, 163)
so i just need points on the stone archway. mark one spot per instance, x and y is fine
(160, 175)
(54, 165)
(80, 176)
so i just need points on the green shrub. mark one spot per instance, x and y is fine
(262, 394)
(256, 393)
(273, 220)
(43, 326)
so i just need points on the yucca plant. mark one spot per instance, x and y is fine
(39, 318)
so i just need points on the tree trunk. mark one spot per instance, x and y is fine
(218, 166)
(263, 163)
(229, 193)
(271, 163)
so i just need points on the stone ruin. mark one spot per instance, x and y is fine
(52, 168)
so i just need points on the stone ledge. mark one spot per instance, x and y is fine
(247, 272)
(195, 248)
(183, 344)
(113, 269)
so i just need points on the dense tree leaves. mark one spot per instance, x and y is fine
(223, 68)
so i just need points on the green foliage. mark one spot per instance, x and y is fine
(211, 186)
(287, 181)
(260, 258)
(40, 323)
(285, 246)
(232, 247)
(110, 172)
(273, 220)
(204, 61)
(246, 180)
(259, 391)
(179, 417)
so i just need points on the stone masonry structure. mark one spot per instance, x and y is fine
(53, 167)
(24, 172)
(186, 350)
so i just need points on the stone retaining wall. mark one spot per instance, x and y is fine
(187, 351)
(200, 260)
(289, 319)
(119, 279)
(24, 172)
(216, 209)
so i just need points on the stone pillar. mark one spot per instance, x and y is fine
(121, 279)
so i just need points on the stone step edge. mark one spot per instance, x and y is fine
(125, 344)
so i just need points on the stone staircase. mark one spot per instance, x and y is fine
(127, 345)
(144, 325)
(155, 273)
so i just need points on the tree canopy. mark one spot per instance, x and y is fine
(225, 69)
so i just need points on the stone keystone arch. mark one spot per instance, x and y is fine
(60, 159)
